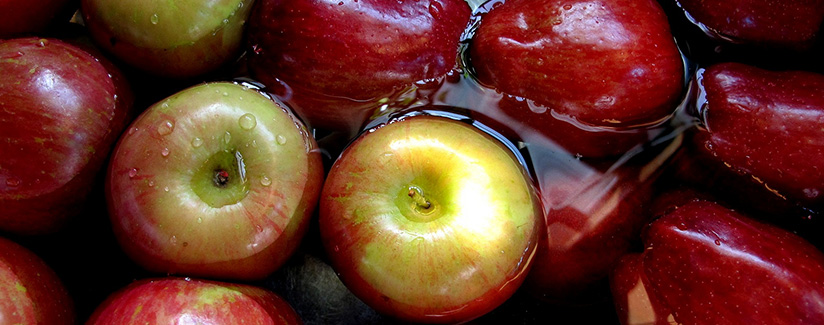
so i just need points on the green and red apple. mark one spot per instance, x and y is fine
(428, 219)
(217, 181)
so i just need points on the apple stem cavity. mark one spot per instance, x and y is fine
(417, 196)
(221, 177)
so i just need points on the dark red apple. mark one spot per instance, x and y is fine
(30, 292)
(767, 124)
(192, 301)
(26, 17)
(62, 111)
(334, 60)
(600, 63)
(776, 23)
(708, 264)
(634, 302)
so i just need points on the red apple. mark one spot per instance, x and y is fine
(428, 219)
(27, 17)
(192, 301)
(634, 302)
(767, 124)
(62, 112)
(179, 39)
(600, 63)
(30, 292)
(782, 24)
(711, 265)
(338, 59)
(217, 180)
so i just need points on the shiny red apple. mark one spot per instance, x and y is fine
(428, 219)
(30, 292)
(707, 264)
(335, 60)
(193, 301)
(216, 181)
(62, 109)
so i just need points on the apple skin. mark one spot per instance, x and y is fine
(767, 124)
(63, 111)
(601, 63)
(781, 24)
(177, 39)
(634, 303)
(182, 300)
(30, 291)
(339, 58)
(25, 17)
(167, 209)
(712, 265)
(429, 265)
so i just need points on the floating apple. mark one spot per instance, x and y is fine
(767, 124)
(193, 301)
(62, 112)
(26, 17)
(793, 23)
(169, 38)
(708, 265)
(600, 63)
(428, 219)
(30, 292)
(338, 59)
(215, 181)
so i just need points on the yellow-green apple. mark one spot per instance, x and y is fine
(217, 180)
(192, 301)
(62, 110)
(597, 64)
(30, 292)
(426, 218)
(169, 38)
(338, 59)
(18, 18)
(706, 264)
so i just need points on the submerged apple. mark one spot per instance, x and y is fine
(428, 219)
(215, 181)
(192, 301)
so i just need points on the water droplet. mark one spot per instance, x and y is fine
(197, 142)
(265, 181)
(164, 152)
(154, 19)
(13, 182)
(166, 189)
(164, 105)
(281, 139)
(132, 172)
(132, 130)
(247, 121)
(151, 183)
(166, 127)
(718, 242)
(225, 21)
(225, 94)
(682, 226)
(337, 248)
(199, 220)
(435, 9)
(173, 240)
(227, 137)
(42, 42)
(567, 7)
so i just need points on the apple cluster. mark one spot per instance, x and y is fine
(423, 161)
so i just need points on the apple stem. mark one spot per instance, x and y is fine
(221, 177)
(419, 199)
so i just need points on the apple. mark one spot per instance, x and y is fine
(178, 39)
(634, 302)
(785, 24)
(63, 109)
(26, 17)
(215, 181)
(334, 61)
(192, 301)
(708, 264)
(600, 63)
(30, 292)
(427, 219)
(767, 124)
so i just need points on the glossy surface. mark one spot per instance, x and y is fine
(602, 63)
(30, 292)
(337, 58)
(192, 301)
(62, 109)
(778, 23)
(171, 216)
(169, 38)
(451, 262)
(768, 125)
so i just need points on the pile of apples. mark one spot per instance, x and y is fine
(426, 161)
